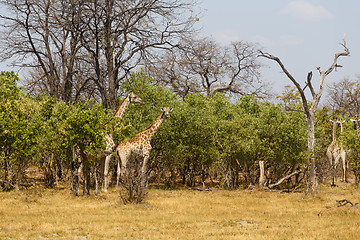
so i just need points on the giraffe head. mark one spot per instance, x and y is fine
(355, 120)
(133, 98)
(166, 112)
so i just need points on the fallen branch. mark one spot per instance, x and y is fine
(344, 202)
(284, 178)
(200, 189)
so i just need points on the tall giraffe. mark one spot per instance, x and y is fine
(140, 145)
(110, 145)
(334, 152)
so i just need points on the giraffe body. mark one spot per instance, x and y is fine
(110, 145)
(335, 152)
(139, 146)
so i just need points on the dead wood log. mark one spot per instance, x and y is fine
(284, 178)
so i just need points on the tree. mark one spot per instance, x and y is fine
(344, 96)
(310, 109)
(18, 131)
(259, 131)
(186, 146)
(89, 47)
(200, 65)
(44, 36)
(82, 127)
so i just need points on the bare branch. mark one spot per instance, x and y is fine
(302, 94)
(337, 55)
(309, 77)
(202, 65)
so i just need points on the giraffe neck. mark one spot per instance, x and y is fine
(120, 112)
(150, 132)
(334, 132)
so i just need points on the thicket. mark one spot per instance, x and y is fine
(206, 140)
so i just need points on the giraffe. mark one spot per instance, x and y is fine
(334, 152)
(343, 154)
(110, 145)
(140, 145)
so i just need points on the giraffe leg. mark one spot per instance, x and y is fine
(144, 167)
(106, 172)
(335, 163)
(118, 172)
(121, 166)
(343, 158)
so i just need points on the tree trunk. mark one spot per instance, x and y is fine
(312, 180)
(76, 167)
(86, 174)
(96, 177)
(262, 174)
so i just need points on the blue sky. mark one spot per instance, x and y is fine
(304, 34)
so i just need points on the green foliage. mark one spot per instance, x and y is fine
(207, 134)
(187, 143)
(37, 131)
(204, 136)
(350, 139)
(261, 131)
(17, 130)
(8, 88)
(82, 125)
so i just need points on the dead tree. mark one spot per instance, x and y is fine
(310, 109)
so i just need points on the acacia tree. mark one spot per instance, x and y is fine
(310, 109)
(200, 65)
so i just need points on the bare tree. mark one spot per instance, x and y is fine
(42, 35)
(344, 96)
(120, 34)
(310, 109)
(200, 65)
(89, 46)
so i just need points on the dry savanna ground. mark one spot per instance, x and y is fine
(181, 214)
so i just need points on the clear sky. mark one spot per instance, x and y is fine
(304, 34)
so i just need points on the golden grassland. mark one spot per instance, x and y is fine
(181, 214)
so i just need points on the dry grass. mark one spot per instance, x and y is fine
(180, 214)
